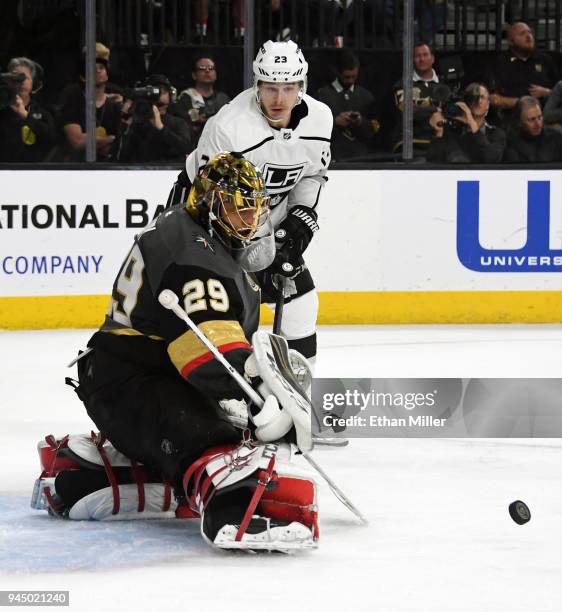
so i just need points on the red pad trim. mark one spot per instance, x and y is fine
(291, 500)
(206, 357)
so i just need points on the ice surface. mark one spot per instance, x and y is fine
(440, 537)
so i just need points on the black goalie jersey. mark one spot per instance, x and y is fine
(222, 299)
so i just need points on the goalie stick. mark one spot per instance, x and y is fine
(278, 317)
(170, 300)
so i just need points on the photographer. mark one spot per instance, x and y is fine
(151, 133)
(353, 109)
(27, 131)
(461, 133)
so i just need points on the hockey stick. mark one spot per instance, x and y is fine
(170, 300)
(279, 304)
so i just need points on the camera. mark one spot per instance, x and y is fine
(354, 115)
(144, 98)
(10, 86)
(447, 99)
(147, 95)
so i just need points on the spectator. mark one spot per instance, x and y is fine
(520, 71)
(463, 135)
(353, 109)
(202, 101)
(152, 133)
(108, 114)
(528, 140)
(425, 81)
(553, 108)
(27, 131)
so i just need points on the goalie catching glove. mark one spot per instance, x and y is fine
(283, 377)
(287, 404)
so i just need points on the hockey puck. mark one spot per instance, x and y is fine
(519, 512)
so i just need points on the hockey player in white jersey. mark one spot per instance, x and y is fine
(286, 133)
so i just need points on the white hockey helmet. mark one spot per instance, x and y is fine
(280, 62)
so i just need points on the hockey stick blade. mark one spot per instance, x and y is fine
(336, 490)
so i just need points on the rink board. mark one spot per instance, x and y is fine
(394, 247)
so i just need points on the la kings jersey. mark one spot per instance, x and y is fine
(294, 160)
(176, 253)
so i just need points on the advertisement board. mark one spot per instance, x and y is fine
(414, 246)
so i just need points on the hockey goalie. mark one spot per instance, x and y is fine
(178, 437)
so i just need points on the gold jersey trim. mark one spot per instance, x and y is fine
(187, 347)
(129, 331)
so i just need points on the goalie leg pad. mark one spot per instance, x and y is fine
(253, 497)
(76, 473)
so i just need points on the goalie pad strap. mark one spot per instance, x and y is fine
(139, 479)
(197, 470)
(208, 488)
(52, 504)
(98, 441)
(167, 497)
(263, 481)
(55, 445)
(203, 482)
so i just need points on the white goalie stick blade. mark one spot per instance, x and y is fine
(274, 365)
(292, 537)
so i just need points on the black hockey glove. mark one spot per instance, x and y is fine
(291, 239)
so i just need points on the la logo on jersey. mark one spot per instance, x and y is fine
(279, 179)
(535, 256)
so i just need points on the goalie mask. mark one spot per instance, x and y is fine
(280, 62)
(229, 199)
